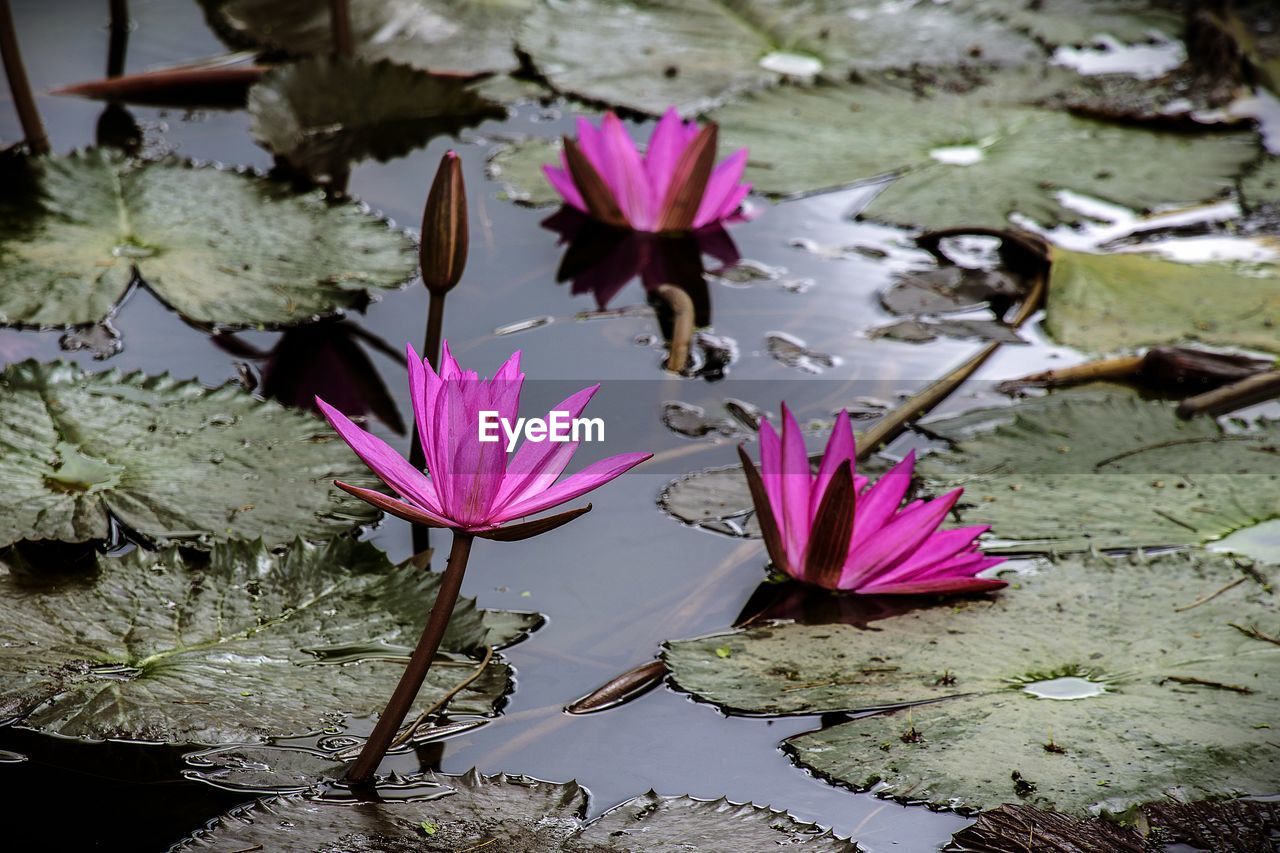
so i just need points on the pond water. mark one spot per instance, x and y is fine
(615, 584)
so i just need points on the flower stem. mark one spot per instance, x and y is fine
(340, 24)
(416, 672)
(19, 85)
(119, 42)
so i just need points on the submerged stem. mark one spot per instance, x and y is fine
(19, 85)
(419, 664)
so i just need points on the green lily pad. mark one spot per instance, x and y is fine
(1260, 188)
(518, 167)
(169, 461)
(972, 158)
(1082, 22)
(471, 37)
(219, 247)
(324, 113)
(515, 813)
(259, 768)
(1168, 710)
(1109, 471)
(693, 54)
(1116, 301)
(251, 645)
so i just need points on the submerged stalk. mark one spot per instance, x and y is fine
(25, 103)
(419, 664)
(340, 24)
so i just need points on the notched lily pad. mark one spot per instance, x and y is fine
(518, 167)
(251, 645)
(514, 814)
(217, 246)
(1121, 300)
(472, 38)
(167, 460)
(971, 158)
(1108, 470)
(1129, 717)
(324, 113)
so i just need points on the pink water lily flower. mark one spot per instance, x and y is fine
(470, 485)
(837, 530)
(674, 186)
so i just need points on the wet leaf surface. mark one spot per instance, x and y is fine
(514, 814)
(518, 167)
(1260, 188)
(970, 158)
(1242, 826)
(264, 768)
(944, 289)
(1109, 302)
(647, 56)
(1177, 710)
(918, 331)
(80, 452)
(151, 647)
(323, 114)
(474, 37)
(1085, 469)
(212, 244)
(1081, 22)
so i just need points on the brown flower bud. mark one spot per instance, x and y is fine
(442, 254)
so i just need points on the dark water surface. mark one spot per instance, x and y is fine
(614, 584)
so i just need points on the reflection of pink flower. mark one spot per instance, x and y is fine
(672, 187)
(601, 261)
(839, 531)
(471, 485)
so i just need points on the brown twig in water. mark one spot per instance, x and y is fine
(23, 101)
(406, 734)
(1203, 682)
(1211, 596)
(682, 329)
(1229, 398)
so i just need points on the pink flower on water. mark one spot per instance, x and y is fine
(839, 531)
(471, 485)
(674, 186)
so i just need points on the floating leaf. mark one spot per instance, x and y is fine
(167, 460)
(938, 290)
(1115, 301)
(1242, 826)
(922, 330)
(1168, 710)
(473, 37)
(261, 768)
(1260, 188)
(971, 158)
(324, 113)
(151, 647)
(1082, 22)
(693, 54)
(217, 246)
(515, 813)
(518, 167)
(1076, 471)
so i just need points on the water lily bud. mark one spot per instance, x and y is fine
(443, 252)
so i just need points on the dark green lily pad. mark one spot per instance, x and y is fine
(262, 768)
(1171, 710)
(922, 330)
(972, 158)
(169, 460)
(151, 647)
(1118, 301)
(1109, 471)
(518, 167)
(219, 247)
(324, 113)
(1260, 188)
(1241, 826)
(514, 814)
(1082, 22)
(472, 37)
(693, 54)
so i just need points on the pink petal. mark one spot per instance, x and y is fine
(665, 146)
(895, 541)
(593, 476)
(537, 464)
(409, 512)
(796, 481)
(839, 448)
(722, 183)
(771, 473)
(879, 503)
(939, 586)
(391, 467)
(628, 180)
(563, 184)
(941, 549)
